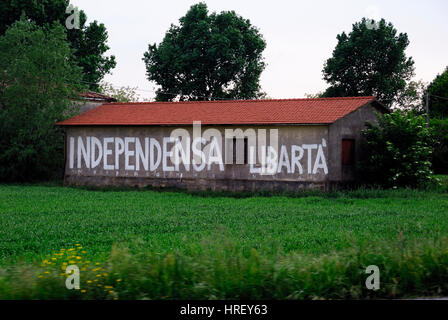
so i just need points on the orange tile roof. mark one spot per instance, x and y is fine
(225, 112)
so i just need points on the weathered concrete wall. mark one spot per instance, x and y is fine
(348, 127)
(303, 151)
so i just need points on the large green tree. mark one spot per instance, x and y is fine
(370, 60)
(38, 73)
(89, 41)
(206, 57)
(438, 96)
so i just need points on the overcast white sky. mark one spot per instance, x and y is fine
(300, 35)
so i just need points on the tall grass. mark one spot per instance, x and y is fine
(222, 270)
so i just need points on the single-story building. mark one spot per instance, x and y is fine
(236, 145)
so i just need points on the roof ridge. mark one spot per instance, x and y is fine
(239, 101)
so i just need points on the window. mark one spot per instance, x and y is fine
(237, 144)
(348, 152)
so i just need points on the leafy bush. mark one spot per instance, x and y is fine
(37, 80)
(397, 152)
(439, 131)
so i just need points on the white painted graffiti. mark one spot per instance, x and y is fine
(202, 151)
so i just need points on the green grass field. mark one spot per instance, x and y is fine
(340, 231)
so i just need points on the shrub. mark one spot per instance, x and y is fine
(397, 152)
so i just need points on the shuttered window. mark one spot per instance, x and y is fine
(245, 145)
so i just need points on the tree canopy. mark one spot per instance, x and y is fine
(370, 60)
(438, 90)
(89, 41)
(207, 57)
(38, 73)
